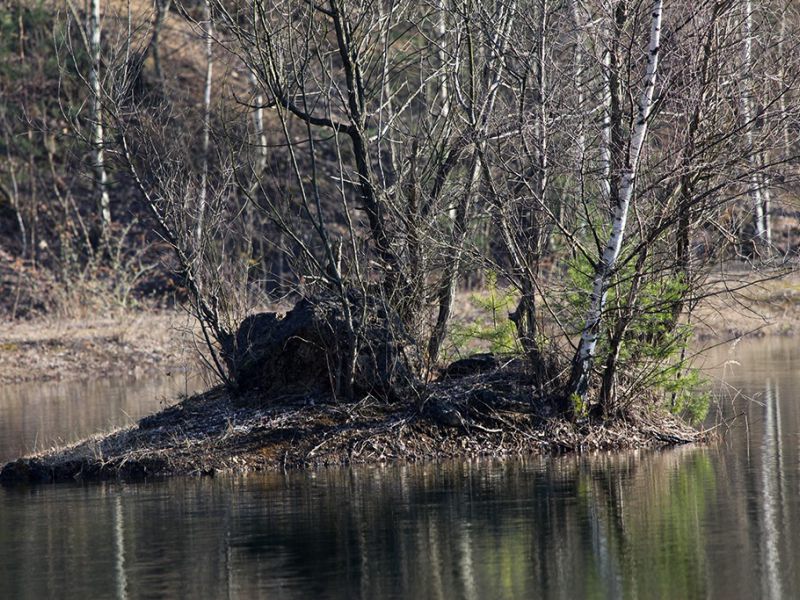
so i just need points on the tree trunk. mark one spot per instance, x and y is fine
(201, 208)
(584, 356)
(782, 83)
(686, 189)
(449, 281)
(260, 135)
(448, 284)
(162, 9)
(756, 187)
(96, 119)
(578, 75)
(608, 387)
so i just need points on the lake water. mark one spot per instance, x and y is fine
(714, 522)
(37, 416)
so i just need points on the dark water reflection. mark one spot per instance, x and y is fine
(717, 522)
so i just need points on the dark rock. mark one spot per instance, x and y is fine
(472, 365)
(306, 351)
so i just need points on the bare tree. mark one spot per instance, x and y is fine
(385, 149)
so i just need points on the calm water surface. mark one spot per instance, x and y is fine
(36, 416)
(719, 522)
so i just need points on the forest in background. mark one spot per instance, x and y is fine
(595, 169)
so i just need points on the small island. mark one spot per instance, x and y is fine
(283, 414)
(400, 236)
(390, 299)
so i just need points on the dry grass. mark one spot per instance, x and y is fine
(127, 342)
(770, 307)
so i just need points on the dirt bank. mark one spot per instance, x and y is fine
(756, 309)
(480, 415)
(127, 343)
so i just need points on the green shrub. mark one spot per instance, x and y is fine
(491, 329)
(653, 346)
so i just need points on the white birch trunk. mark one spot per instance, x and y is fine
(258, 120)
(782, 83)
(540, 122)
(444, 91)
(756, 185)
(96, 118)
(201, 208)
(766, 196)
(588, 343)
(605, 137)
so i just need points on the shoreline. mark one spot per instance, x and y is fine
(213, 433)
(128, 343)
(766, 308)
(147, 341)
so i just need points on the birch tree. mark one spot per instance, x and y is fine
(757, 190)
(96, 120)
(582, 362)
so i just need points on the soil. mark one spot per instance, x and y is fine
(487, 414)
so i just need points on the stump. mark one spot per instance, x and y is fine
(309, 350)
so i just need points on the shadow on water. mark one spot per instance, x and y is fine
(714, 522)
